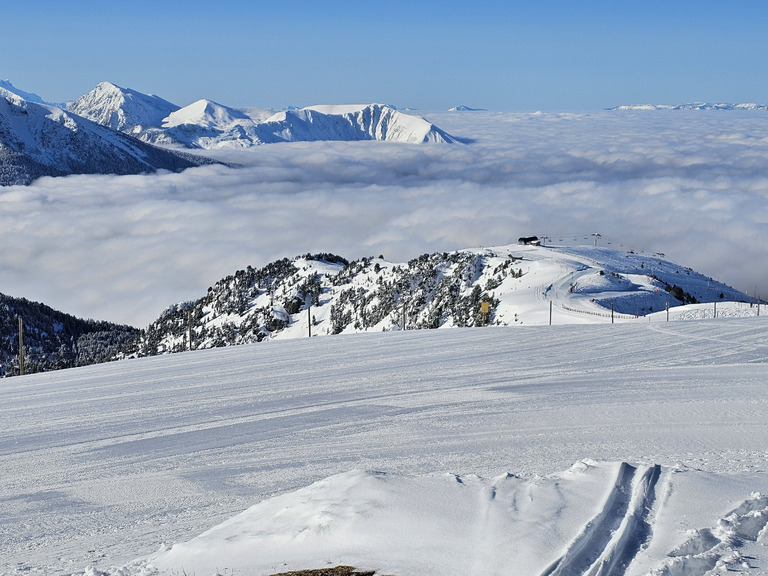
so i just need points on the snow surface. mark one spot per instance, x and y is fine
(509, 450)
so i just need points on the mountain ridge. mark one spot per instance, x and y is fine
(325, 294)
(41, 140)
(691, 106)
(29, 96)
(207, 124)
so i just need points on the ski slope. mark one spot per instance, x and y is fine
(632, 448)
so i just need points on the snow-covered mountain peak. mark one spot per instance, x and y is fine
(205, 113)
(463, 108)
(122, 109)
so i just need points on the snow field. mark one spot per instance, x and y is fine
(103, 466)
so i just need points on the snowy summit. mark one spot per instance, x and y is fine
(122, 109)
(463, 108)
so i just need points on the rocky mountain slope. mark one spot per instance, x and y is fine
(207, 124)
(41, 140)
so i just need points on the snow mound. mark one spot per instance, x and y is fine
(430, 525)
(595, 518)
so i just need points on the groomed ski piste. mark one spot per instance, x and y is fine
(631, 448)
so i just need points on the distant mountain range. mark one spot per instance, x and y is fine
(207, 124)
(326, 294)
(463, 108)
(693, 106)
(42, 140)
(114, 130)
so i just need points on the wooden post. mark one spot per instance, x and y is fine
(715, 313)
(309, 320)
(404, 325)
(667, 310)
(21, 347)
(550, 312)
(611, 311)
(189, 326)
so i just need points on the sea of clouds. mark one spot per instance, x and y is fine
(690, 184)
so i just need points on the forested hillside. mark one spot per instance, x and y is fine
(55, 340)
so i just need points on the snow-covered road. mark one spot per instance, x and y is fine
(104, 464)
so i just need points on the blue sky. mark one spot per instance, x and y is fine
(501, 55)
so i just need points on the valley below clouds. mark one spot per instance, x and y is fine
(690, 184)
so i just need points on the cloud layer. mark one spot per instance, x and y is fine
(691, 184)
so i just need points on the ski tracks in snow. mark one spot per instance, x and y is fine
(610, 541)
(624, 527)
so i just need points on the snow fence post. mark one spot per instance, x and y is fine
(21, 347)
(189, 326)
